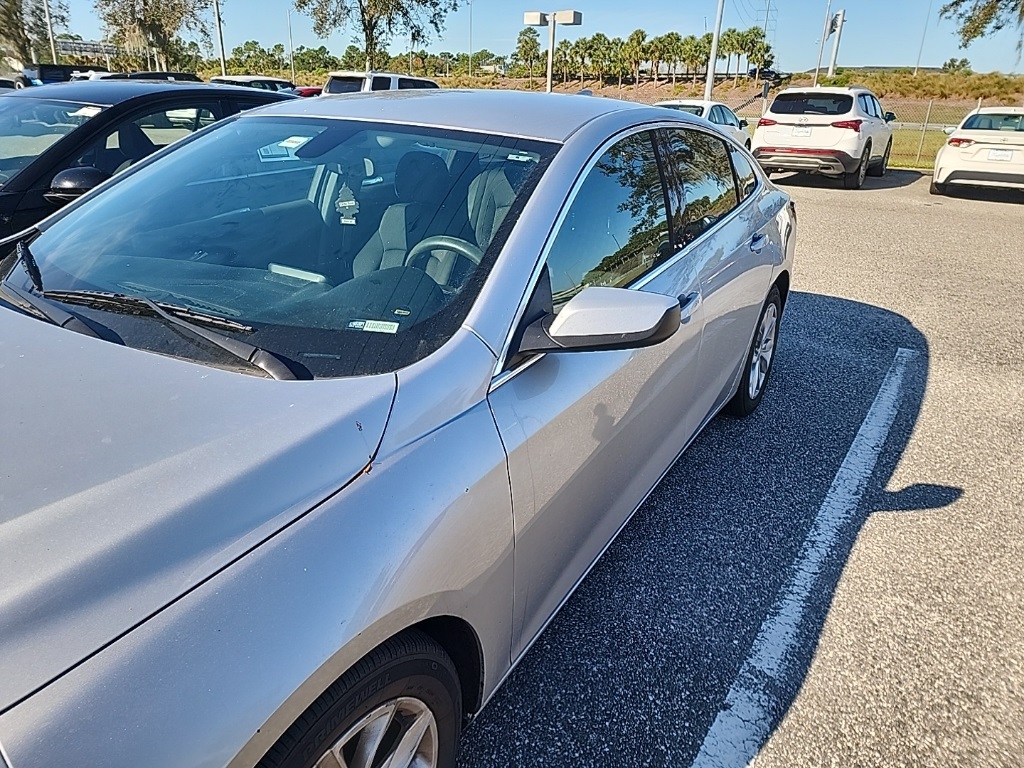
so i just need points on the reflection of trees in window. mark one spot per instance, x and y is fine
(700, 164)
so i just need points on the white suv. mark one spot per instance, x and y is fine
(350, 81)
(832, 131)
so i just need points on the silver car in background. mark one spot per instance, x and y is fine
(317, 417)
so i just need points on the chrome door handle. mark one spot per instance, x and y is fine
(688, 303)
(758, 242)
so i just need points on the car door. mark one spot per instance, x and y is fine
(588, 434)
(729, 231)
(121, 143)
(885, 127)
(872, 124)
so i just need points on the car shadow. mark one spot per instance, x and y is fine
(985, 194)
(639, 663)
(893, 179)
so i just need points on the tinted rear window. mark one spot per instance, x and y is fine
(994, 122)
(692, 109)
(344, 85)
(812, 104)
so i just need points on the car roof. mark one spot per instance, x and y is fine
(372, 73)
(247, 78)
(108, 92)
(853, 89)
(999, 111)
(688, 102)
(545, 116)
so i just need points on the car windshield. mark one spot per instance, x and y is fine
(344, 85)
(692, 109)
(28, 127)
(812, 104)
(991, 121)
(350, 247)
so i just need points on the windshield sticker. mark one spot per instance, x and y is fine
(86, 112)
(375, 326)
(293, 142)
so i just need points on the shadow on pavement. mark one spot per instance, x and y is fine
(985, 194)
(637, 665)
(893, 179)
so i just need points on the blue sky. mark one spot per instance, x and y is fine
(878, 32)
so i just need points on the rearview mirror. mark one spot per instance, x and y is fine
(949, 130)
(71, 183)
(604, 319)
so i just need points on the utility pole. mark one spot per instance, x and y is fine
(709, 84)
(220, 36)
(291, 48)
(841, 16)
(470, 38)
(924, 33)
(49, 29)
(824, 34)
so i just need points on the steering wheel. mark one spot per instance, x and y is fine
(462, 247)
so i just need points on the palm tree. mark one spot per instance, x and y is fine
(657, 52)
(692, 54)
(616, 58)
(751, 39)
(563, 58)
(447, 59)
(599, 56)
(673, 51)
(728, 44)
(704, 41)
(635, 52)
(580, 54)
(528, 49)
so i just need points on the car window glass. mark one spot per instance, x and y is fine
(278, 223)
(381, 84)
(344, 85)
(698, 165)
(28, 127)
(616, 228)
(132, 140)
(994, 121)
(879, 112)
(812, 104)
(716, 115)
(405, 82)
(730, 117)
(746, 179)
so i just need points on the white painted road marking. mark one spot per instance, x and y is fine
(740, 729)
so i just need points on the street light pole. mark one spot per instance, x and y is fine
(291, 48)
(49, 30)
(835, 46)
(709, 84)
(470, 38)
(551, 49)
(550, 20)
(824, 34)
(924, 33)
(220, 37)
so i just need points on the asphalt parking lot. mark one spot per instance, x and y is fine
(863, 532)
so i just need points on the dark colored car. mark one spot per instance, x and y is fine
(5, 83)
(772, 76)
(47, 74)
(57, 142)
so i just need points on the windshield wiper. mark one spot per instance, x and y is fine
(276, 365)
(32, 305)
(29, 262)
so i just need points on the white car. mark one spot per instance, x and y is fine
(263, 82)
(985, 150)
(351, 81)
(837, 132)
(714, 112)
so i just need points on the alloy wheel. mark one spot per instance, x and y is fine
(764, 349)
(401, 733)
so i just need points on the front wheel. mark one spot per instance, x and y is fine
(400, 706)
(759, 359)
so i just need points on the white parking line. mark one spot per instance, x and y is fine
(740, 729)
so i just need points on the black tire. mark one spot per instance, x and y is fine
(742, 403)
(409, 665)
(883, 164)
(936, 189)
(20, 83)
(855, 178)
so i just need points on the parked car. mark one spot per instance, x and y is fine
(93, 75)
(837, 132)
(48, 74)
(350, 81)
(326, 458)
(5, 83)
(771, 75)
(305, 91)
(714, 112)
(59, 141)
(985, 150)
(255, 81)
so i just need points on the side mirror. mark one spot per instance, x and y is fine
(604, 319)
(949, 130)
(743, 123)
(890, 117)
(71, 183)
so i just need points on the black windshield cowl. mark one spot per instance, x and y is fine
(188, 319)
(44, 310)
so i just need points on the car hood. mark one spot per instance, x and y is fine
(127, 478)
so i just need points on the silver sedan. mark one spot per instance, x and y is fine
(317, 417)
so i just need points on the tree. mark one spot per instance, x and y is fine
(957, 67)
(528, 49)
(761, 56)
(673, 52)
(731, 42)
(378, 19)
(692, 54)
(657, 52)
(447, 58)
(23, 28)
(616, 60)
(310, 59)
(751, 40)
(979, 18)
(563, 58)
(580, 52)
(600, 55)
(635, 52)
(144, 24)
